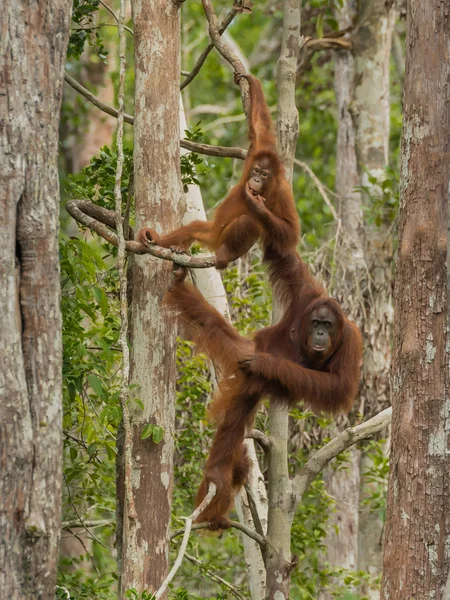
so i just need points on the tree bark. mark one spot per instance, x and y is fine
(362, 95)
(32, 53)
(158, 197)
(280, 514)
(417, 546)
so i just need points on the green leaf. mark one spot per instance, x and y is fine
(95, 384)
(147, 432)
(158, 434)
(102, 300)
(319, 26)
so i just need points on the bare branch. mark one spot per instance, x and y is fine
(336, 42)
(82, 211)
(318, 185)
(206, 501)
(234, 524)
(214, 577)
(99, 523)
(110, 10)
(94, 100)
(224, 50)
(340, 443)
(204, 55)
(263, 440)
(221, 151)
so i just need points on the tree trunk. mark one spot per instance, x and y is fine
(362, 95)
(158, 196)
(33, 48)
(280, 515)
(416, 556)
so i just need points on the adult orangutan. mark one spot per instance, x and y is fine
(238, 222)
(312, 355)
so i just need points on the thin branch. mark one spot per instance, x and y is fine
(311, 46)
(318, 185)
(204, 55)
(206, 149)
(224, 50)
(94, 100)
(347, 438)
(81, 211)
(99, 523)
(110, 10)
(215, 577)
(206, 502)
(263, 440)
(233, 524)
(122, 269)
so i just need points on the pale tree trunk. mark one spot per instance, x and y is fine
(417, 546)
(343, 485)
(143, 558)
(372, 47)
(209, 283)
(254, 560)
(362, 94)
(32, 52)
(280, 516)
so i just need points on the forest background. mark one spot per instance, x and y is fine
(132, 458)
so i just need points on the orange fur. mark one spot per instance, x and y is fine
(237, 225)
(278, 363)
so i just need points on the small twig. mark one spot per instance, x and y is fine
(206, 149)
(319, 185)
(263, 440)
(110, 10)
(72, 524)
(81, 211)
(233, 524)
(80, 519)
(214, 577)
(206, 502)
(347, 438)
(204, 55)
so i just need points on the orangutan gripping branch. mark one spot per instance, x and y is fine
(312, 355)
(238, 222)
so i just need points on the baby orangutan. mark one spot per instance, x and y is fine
(238, 223)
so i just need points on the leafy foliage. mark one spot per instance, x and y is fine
(83, 15)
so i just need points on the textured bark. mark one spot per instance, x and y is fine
(281, 509)
(254, 561)
(362, 96)
(417, 545)
(158, 195)
(33, 41)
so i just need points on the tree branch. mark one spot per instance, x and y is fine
(263, 440)
(204, 55)
(206, 149)
(214, 577)
(224, 50)
(318, 185)
(340, 443)
(235, 524)
(206, 501)
(98, 219)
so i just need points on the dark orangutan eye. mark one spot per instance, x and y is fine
(315, 322)
(264, 174)
(327, 324)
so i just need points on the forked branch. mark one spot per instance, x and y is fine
(102, 221)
